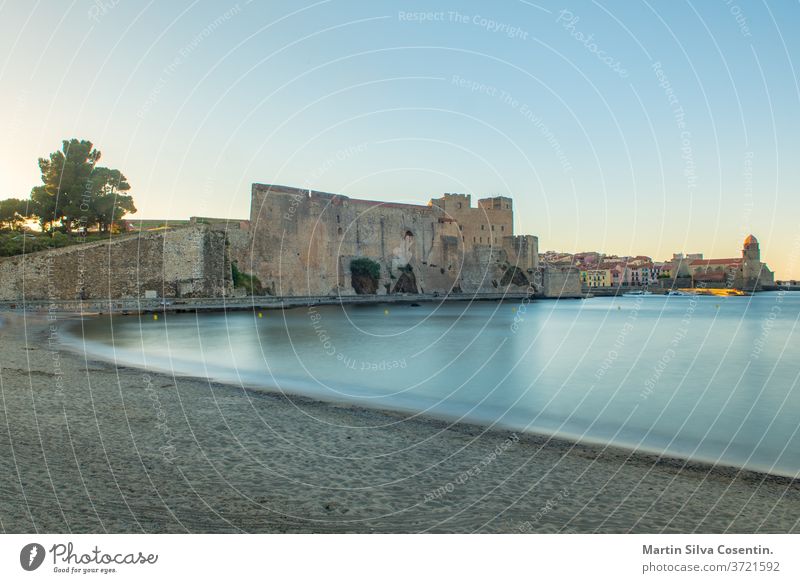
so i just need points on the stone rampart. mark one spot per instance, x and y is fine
(303, 242)
(184, 262)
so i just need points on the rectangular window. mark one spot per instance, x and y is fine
(483, 227)
(502, 227)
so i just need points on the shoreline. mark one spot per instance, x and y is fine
(70, 308)
(429, 474)
(562, 442)
(566, 439)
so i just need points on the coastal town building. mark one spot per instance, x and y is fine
(596, 278)
(747, 272)
(599, 271)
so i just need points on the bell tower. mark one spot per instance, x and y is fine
(751, 263)
(751, 252)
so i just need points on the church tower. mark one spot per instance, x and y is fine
(751, 252)
(751, 263)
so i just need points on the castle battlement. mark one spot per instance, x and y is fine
(304, 240)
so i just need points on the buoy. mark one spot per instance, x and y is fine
(155, 316)
(260, 315)
(386, 312)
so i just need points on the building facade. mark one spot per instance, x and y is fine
(305, 242)
(747, 272)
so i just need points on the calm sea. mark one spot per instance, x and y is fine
(714, 379)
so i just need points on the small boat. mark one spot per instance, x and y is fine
(675, 292)
(638, 292)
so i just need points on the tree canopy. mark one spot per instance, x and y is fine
(75, 193)
(13, 213)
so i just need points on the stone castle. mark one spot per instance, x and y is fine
(299, 242)
(304, 243)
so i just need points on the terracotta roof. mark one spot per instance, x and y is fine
(732, 261)
(750, 240)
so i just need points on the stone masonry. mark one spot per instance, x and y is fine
(303, 242)
(184, 262)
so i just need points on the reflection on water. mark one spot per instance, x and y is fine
(702, 377)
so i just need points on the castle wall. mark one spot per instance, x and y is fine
(561, 282)
(298, 243)
(485, 225)
(302, 243)
(185, 262)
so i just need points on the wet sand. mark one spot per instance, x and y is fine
(86, 446)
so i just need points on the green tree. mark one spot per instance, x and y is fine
(76, 192)
(65, 191)
(13, 213)
(109, 203)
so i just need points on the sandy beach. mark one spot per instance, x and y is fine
(86, 446)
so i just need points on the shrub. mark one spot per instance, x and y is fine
(365, 267)
(244, 280)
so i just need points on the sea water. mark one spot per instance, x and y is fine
(706, 378)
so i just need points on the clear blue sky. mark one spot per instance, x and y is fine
(194, 101)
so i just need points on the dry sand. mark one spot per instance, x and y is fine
(89, 447)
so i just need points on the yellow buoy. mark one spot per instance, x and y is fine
(386, 312)
(260, 315)
(155, 316)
